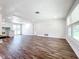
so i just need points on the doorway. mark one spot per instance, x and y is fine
(17, 28)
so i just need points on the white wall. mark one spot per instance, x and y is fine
(27, 29)
(54, 28)
(0, 24)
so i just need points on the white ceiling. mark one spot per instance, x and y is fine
(25, 9)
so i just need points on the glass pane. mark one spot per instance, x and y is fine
(76, 31)
(75, 14)
(17, 29)
(69, 31)
(68, 20)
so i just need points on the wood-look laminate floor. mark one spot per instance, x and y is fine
(34, 47)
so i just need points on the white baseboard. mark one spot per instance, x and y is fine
(51, 36)
(74, 44)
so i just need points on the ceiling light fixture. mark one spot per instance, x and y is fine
(37, 12)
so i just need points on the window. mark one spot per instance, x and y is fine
(69, 31)
(76, 31)
(73, 24)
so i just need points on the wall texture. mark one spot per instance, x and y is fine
(54, 28)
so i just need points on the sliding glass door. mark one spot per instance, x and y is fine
(17, 28)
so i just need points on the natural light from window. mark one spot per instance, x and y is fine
(73, 24)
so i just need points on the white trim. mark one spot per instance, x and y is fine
(74, 44)
(51, 36)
